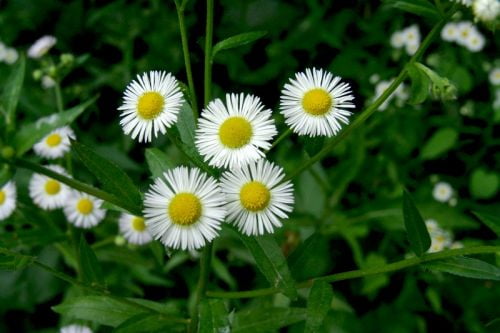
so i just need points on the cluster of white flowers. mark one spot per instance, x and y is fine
(185, 208)
(408, 38)
(486, 10)
(9, 55)
(464, 33)
(443, 192)
(401, 94)
(440, 238)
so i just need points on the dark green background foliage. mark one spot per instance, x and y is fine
(348, 212)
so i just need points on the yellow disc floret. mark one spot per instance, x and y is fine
(235, 132)
(254, 196)
(52, 187)
(138, 224)
(184, 209)
(317, 102)
(150, 105)
(53, 140)
(2, 197)
(84, 206)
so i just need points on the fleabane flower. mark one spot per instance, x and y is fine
(315, 103)
(41, 46)
(440, 238)
(55, 144)
(449, 32)
(494, 76)
(234, 134)
(442, 192)
(134, 229)
(83, 210)
(257, 201)
(466, 3)
(75, 329)
(8, 199)
(397, 39)
(184, 209)
(411, 37)
(475, 42)
(151, 104)
(48, 193)
(486, 10)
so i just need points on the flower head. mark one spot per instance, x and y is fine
(150, 105)
(55, 144)
(83, 210)
(134, 229)
(449, 32)
(232, 135)
(257, 201)
(41, 46)
(8, 195)
(486, 10)
(315, 103)
(75, 329)
(185, 209)
(48, 193)
(442, 192)
(494, 76)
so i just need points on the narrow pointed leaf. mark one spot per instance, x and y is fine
(490, 220)
(213, 317)
(148, 322)
(90, 268)
(466, 267)
(419, 238)
(158, 162)
(264, 319)
(318, 305)
(422, 8)
(12, 261)
(186, 125)
(10, 96)
(237, 40)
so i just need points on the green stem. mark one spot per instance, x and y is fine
(77, 185)
(396, 266)
(201, 287)
(59, 99)
(187, 59)
(283, 136)
(371, 109)
(208, 51)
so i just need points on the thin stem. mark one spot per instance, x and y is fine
(371, 109)
(201, 288)
(208, 51)
(77, 185)
(187, 58)
(283, 136)
(59, 98)
(396, 266)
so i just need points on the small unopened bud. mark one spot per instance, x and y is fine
(67, 59)
(8, 152)
(37, 74)
(119, 240)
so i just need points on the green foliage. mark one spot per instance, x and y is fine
(11, 92)
(266, 319)
(422, 8)
(417, 233)
(439, 143)
(91, 271)
(420, 85)
(484, 184)
(158, 162)
(238, 40)
(10, 260)
(467, 267)
(318, 304)
(214, 317)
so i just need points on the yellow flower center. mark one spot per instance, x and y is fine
(138, 224)
(254, 196)
(317, 102)
(53, 140)
(52, 187)
(184, 209)
(2, 197)
(235, 132)
(150, 105)
(84, 206)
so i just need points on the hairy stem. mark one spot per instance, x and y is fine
(392, 267)
(201, 287)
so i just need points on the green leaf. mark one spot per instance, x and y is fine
(318, 305)
(237, 40)
(313, 145)
(419, 238)
(271, 262)
(6, 174)
(213, 317)
(490, 220)
(31, 133)
(418, 7)
(12, 261)
(311, 258)
(439, 143)
(158, 162)
(91, 271)
(466, 267)
(148, 322)
(263, 319)
(186, 125)
(420, 85)
(12, 91)
(114, 179)
(483, 184)
(441, 87)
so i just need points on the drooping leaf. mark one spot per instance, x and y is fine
(484, 184)
(148, 322)
(264, 319)
(186, 124)
(12, 90)
(422, 8)
(420, 85)
(237, 40)
(439, 143)
(466, 267)
(213, 317)
(12, 261)
(419, 238)
(271, 262)
(114, 179)
(318, 305)
(158, 162)
(91, 271)
(31, 133)
(490, 220)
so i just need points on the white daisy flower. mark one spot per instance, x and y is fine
(256, 201)
(48, 82)
(440, 241)
(11, 56)
(449, 32)
(411, 49)
(466, 3)
(234, 134)
(185, 209)
(55, 144)
(397, 40)
(8, 195)
(134, 229)
(83, 210)
(48, 193)
(494, 76)
(75, 329)
(432, 226)
(411, 37)
(315, 103)
(486, 10)
(475, 42)
(465, 29)
(150, 105)
(442, 192)
(41, 46)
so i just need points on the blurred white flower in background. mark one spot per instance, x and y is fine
(400, 94)
(41, 46)
(442, 192)
(494, 76)
(486, 10)
(48, 82)
(449, 32)
(409, 38)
